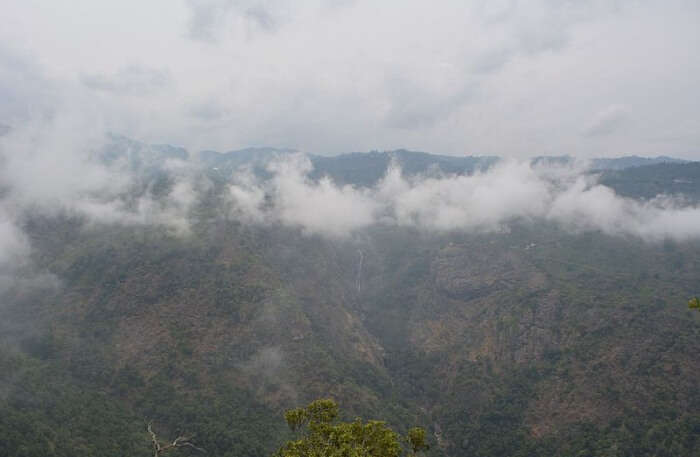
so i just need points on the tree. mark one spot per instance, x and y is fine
(416, 439)
(322, 436)
(694, 303)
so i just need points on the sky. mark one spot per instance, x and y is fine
(498, 77)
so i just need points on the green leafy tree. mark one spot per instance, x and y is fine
(416, 439)
(694, 303)
(320, 435)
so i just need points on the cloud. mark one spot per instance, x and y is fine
(483, 201)
(210, 18)
(207, 110)
(527, 29)
(17, 272)
(413, 104)
(14, 246)
(24, 90)
(205, 17)
(54, 166)
(316, 207)
(486, 201)
(267, 371)
(130, 80)
(48, 162)
(607, 121)
(248, 196)
(586, 206)
(319, 207)
(501, 78)
(482, 77)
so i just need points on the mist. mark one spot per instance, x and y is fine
(53, 167)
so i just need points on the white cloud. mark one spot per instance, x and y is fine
(248, 196)
(318, 208)
(484, 202)
(607, 121)
(52, 167)
(585, 206)
(130, 80)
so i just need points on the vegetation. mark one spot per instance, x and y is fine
(532, 342)
(322, 436)
(649, 181)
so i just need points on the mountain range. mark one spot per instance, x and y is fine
(531, 335)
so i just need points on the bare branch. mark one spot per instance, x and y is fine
(156, 444)
(180, 441)
(193, 446)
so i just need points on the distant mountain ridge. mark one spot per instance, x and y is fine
(620, 163)
(613, 163)
(241, 156)
(632, 176)
(347, 167)
(139, 155)
(369, 167)
(411, 161)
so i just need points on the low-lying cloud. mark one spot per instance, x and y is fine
(55, 168)
(483, 202)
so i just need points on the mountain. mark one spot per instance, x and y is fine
(527, 339)
(138, 155)
(366, 169)
(357, 168)
(248, 156)
(652, 180)
(620, 163)
(615, 163)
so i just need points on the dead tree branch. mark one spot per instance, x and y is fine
(180, 441)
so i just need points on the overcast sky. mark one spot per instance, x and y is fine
(492, 77)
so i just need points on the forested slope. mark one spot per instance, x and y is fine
(531, 340)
